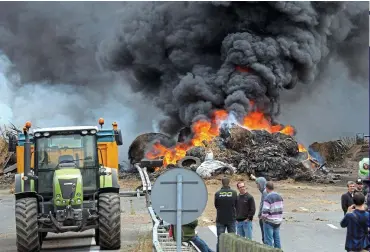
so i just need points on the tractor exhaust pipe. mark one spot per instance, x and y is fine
(27, 156)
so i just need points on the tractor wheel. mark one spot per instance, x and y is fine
(109, 221)
(28, 239)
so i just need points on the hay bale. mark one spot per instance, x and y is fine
(144, 142)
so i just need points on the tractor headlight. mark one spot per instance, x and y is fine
(58, 202)
(72, 200)
(58, 195)
(78, 194)
(64, 201)
(46, 134)
(78, 201)
(92, 131)
(84, 132)
(38, 134)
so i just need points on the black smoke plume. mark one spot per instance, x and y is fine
(193, 57)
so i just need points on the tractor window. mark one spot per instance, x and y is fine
(75, 148)
(66, 141)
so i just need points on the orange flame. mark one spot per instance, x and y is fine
(301, 148)
(205, 131)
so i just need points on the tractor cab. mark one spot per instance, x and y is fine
(61, 150)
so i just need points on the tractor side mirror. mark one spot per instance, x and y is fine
(12, 145)
(118, 137)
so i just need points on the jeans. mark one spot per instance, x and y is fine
(221, 228)
(261, 226)
(201, 245)
(272, 235)
(244, 229)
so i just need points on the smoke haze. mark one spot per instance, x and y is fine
(195, 57)
(49, 73)
(64, 63)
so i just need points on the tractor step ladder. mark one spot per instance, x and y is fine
(167, 243)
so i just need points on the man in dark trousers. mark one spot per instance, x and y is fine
(245, 210)
(261, 185)
(225, 203)
(346, 199)
(356, 221)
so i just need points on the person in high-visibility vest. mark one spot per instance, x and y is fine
(363, 169)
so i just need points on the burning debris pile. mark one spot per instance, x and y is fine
(253, 146)
(275, 156)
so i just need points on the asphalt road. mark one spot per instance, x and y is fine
(300, 232)
(73, 242)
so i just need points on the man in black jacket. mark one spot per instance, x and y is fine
(346, 199)
(245, 210)
(225, 203)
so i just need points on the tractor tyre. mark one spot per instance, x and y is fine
(109, 208)
(28, 238)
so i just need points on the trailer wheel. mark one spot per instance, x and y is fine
(28, 239)
(109, 235)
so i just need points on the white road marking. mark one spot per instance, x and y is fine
(213, 230)
(303, 209)
(332, 226)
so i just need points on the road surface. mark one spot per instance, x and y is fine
(134, 217)
(300, 232)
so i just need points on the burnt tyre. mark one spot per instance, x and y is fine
(109, 233)
(189, 162)
(28, 239)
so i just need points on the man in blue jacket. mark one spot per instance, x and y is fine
(356, 222)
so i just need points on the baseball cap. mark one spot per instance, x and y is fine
(359, 181)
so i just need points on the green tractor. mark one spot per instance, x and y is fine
(62, 185)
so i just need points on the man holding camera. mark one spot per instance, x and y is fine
(356, 221)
